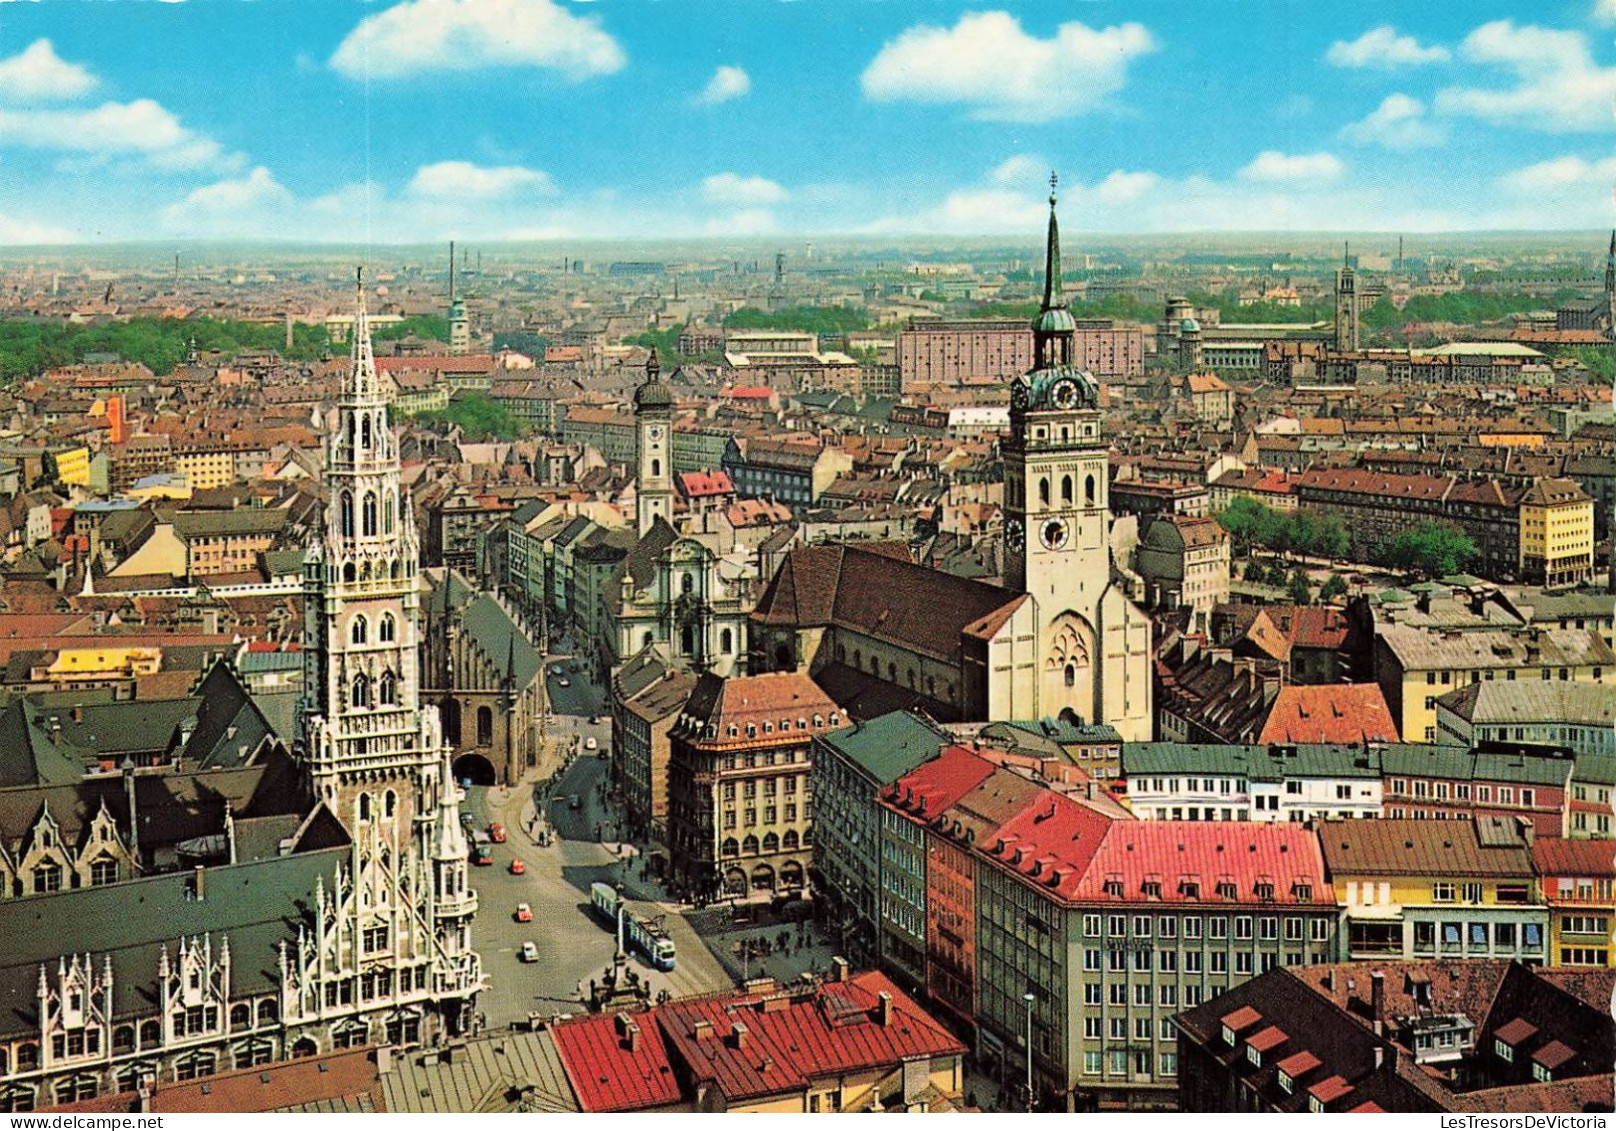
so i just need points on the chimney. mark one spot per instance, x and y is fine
(1377, 1001)
(838, 969)
(384, 1060)
(1329, 980)
(738, 1033)
(198, 887)
(702, 1030)
(1380, 1057)
(78, 712)
(883, 1009)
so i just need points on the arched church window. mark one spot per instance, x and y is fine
(389, 803)
(349, 573)
(1043, 492)
(656, 467)
(345, 510)
(359, 630)
(686, 583)
(687, 640)
(387, 692)
(485, 726)
(369, 516)
(389, 509)
(1071, 675)
(364, 433)
(361, 691)
(388, 628)
(364, 806)
(1066, 489)
(725, 642)
(1088, 490)
(393, 570)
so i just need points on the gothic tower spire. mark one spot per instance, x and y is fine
(1053, 327)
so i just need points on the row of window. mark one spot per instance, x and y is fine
(1217, 926)
(770, 843)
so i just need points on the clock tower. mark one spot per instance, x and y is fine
(653, 473)
(1057, 518)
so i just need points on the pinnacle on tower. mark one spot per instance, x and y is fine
(1052, 261)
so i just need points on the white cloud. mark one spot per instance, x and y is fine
(1272, 165)
(731, 188)
(229, 206)
(987, 62)
(1561, 173)
(1383, 49)
(1558, 86)
(419, 36)
(14, 231)
(1120, 187)
(1604, 11)
(463, 180)
(727, 83)
(142, 128)
(38, 74)
(1021, 170)
(1399, 122)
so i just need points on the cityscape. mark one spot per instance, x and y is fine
(849, 559)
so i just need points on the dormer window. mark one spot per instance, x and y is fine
(1113, 887)
(1151, 889)
(1303, 891)
(1227, 890)
(1265, 890)
(1190, 889)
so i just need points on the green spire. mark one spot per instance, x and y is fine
(1052, 260)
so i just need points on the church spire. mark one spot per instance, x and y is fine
(1052, 257)
(362, 367)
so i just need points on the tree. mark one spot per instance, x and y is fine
(1431, 550)
(478, 417)
(1301, 591)
(434, 327)
(1333, 587)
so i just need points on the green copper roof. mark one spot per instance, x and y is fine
(888, 746)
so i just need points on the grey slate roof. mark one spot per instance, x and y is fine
(1255, 763)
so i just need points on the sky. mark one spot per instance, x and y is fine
(406, 121)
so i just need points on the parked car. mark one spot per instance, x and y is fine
(556, 669)
(517, 867)
(496, 833)
(524, 913)
(590, 743)
(530, 951)
(563, 682)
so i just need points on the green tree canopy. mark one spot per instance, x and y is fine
(1432, 550)
(479, 417)
(1333, 587)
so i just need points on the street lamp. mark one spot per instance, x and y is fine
(1028, 998)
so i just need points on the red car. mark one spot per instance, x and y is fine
(496, 833)
(524, 913)
(517, 867)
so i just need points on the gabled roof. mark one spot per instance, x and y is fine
(1425, 848)
(1330, 713)
(888, 746)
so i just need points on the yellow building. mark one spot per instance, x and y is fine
(206, 468)
(73, 466)
(1557, 533)
(1416, 666)
(83, 665)
(1422, 889)
(1577, 878)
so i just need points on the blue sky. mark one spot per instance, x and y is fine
(420, 120)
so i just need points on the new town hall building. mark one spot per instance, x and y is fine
(265, 903)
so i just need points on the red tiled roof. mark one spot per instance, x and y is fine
(699, 484)
(1516, 1031)
(1052, 839)
(1559, 856)
(1211, 852)
(605, 1074)
(1553, 1054)
(747, 1045)
(938, 784)
(1330, 1090)
(1269, 1038)
(1241, 1018)
(1299, 1064)
(1345, 713)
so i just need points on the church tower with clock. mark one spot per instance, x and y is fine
(653, 421)
(1093, 647)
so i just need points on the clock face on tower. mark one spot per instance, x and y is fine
(1015, 535)
(656, 431)
(1054, 533)
(1063, 393)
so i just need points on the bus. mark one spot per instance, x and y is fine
(645, 935)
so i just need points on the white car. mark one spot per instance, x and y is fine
(530, 951)
(563, 682)
(591, 743)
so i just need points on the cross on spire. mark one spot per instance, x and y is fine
(1054, 182)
